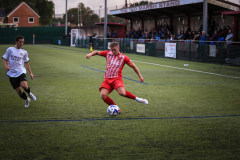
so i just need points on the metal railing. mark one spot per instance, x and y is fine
(220, 52)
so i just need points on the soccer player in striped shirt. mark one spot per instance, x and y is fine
(113, 75)
(14, 60)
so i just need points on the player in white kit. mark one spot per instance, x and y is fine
(14, 60)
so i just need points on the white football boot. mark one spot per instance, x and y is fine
(32, 96)
(27, 102)
(144, 101)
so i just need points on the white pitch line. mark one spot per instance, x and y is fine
(158, 64)
(189, 69)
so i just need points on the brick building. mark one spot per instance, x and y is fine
(23, 16)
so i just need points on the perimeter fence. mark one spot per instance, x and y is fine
(37, 35)
(219, 52)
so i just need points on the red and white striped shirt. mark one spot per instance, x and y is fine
(115, 64)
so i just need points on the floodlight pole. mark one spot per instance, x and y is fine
(105, 24)
(66, 20)
(205, 16)
(78, 17)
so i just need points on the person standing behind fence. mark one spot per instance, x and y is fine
(203, 45)
(90, 42)
(229, 39)
(197, 44)
(115, 34)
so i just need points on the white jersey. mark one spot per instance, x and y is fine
(16, 59)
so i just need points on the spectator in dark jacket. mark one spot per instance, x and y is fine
(203, 46)
(115, 35)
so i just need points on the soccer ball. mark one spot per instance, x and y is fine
(113, 110)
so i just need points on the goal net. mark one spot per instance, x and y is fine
(77, 34)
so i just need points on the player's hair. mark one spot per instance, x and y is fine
(113, 44)
(18, 37)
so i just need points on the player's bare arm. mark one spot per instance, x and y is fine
(29, 69)
(7, 67)
(88, 56)
(137, 71)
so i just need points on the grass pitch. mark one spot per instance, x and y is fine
(193, 111)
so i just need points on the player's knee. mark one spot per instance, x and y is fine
(122, 93)
(103, 96)
(25, 87)
(19, 91)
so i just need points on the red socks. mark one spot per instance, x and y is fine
(130, 95)
(109, 101)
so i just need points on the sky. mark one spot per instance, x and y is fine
(93, 4)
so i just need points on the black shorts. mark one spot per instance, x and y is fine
(15, 81)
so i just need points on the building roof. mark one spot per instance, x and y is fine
(23, 3)
(111, 24)
(172, 8)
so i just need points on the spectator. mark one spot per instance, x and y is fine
(180, 35)
(203, 45)
(172, 37)
(188, 28)
(95, 35)
(168, 35)
(90, 41)
(159, 27)
(127, 35)
(224, 32)
(197, 42)
(143, 35)
(149, 36)
(215, 36)
(198, 37)
(109, 35)
(219, 30)
(130, 33)
(115, 35)
(136, 35)
(152, 32)
(163, 34)
(194, 35)
(153, 37)
(111, 32)
(203, 37)
(189, 36)
(139, 32)
(229, 39)
(166, 26)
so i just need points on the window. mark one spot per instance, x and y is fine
(30, 19)
(15, 19)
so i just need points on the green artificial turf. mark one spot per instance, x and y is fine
(192, 114)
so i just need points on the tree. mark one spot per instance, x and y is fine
(43, 8)
(87, 16)
(140, 3)
(112, 19)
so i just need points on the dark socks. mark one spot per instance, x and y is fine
(23, 96)
(28, 90)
